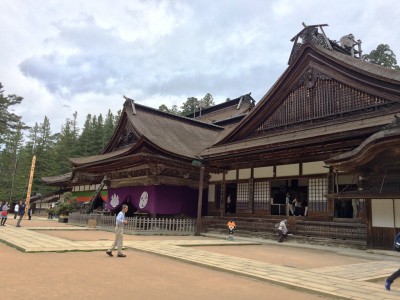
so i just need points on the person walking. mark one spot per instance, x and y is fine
(21, 212)
(282, 229)
(120, 223)
(16, 208)
(4, 213)
(396, 274)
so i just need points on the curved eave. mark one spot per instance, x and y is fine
(141, 153)
(59, 180)
(384, 144)
(79, 161)
(363, 195)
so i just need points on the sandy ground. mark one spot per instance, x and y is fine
(94, 275)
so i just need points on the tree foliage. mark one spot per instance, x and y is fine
(9, 121)
(189, 106)
(19, 143)
(382, 56)
(192, 105)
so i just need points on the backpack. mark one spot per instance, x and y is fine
(397, 243)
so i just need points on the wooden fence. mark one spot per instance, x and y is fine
(137, 224)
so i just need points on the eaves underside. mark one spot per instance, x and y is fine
(301, 137)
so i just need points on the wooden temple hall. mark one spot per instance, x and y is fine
(326, 135)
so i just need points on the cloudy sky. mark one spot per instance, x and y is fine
(64, 56)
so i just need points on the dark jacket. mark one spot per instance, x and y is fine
(21, 210)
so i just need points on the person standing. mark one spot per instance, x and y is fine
(355, 203)
(21, 212)
(289, 206)
(120, 223)
(4, 213)
(16, 207)
(30, 213)
(231, 227)
(297, 205)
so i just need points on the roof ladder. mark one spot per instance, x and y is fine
(97, 192)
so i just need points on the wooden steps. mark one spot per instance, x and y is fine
(341, 234)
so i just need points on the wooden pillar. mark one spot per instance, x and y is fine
(200, 201)
(251, 195)
(28, 193)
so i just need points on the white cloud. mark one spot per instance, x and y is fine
(65, 56)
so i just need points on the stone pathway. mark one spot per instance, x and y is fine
(345, 282)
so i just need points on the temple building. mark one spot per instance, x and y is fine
(324, 134)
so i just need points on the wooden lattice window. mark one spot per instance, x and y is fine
(242, 200)
(326, 100)
(262, 195)
(317, 188)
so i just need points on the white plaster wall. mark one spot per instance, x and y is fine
(315, 167)
(288, 170)
(346, 179)
(211, 193)
(382, 212)
(263, 172)
(244, 173)
(231, 175)
(216, 177)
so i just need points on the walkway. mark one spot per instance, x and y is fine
(345, 282)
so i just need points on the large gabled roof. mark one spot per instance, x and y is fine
(353, 72)
(226, 113)
(169, 135)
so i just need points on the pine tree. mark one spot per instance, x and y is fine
(9, 162)
(382, 56)
(8, 120)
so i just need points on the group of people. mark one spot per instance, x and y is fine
(121, 221)
(295, 205)
(19, 211)
(283, 232)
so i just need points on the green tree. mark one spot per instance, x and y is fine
(98, 134)
(163, 108)
(174, 110)
(8, 120)
(8, 163)
(65, 146)
(382, 56)
(45, 164)
(109, 127)
(85, 139)
(207, 100)
(190, 106)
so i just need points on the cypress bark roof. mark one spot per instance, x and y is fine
(171, 135)
(360, 76)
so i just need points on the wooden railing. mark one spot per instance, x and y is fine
(137, 224)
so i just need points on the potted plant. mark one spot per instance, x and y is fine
(63, 210)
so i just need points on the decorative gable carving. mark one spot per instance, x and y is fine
(310, 77)
(128, 136)
(319, 98)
